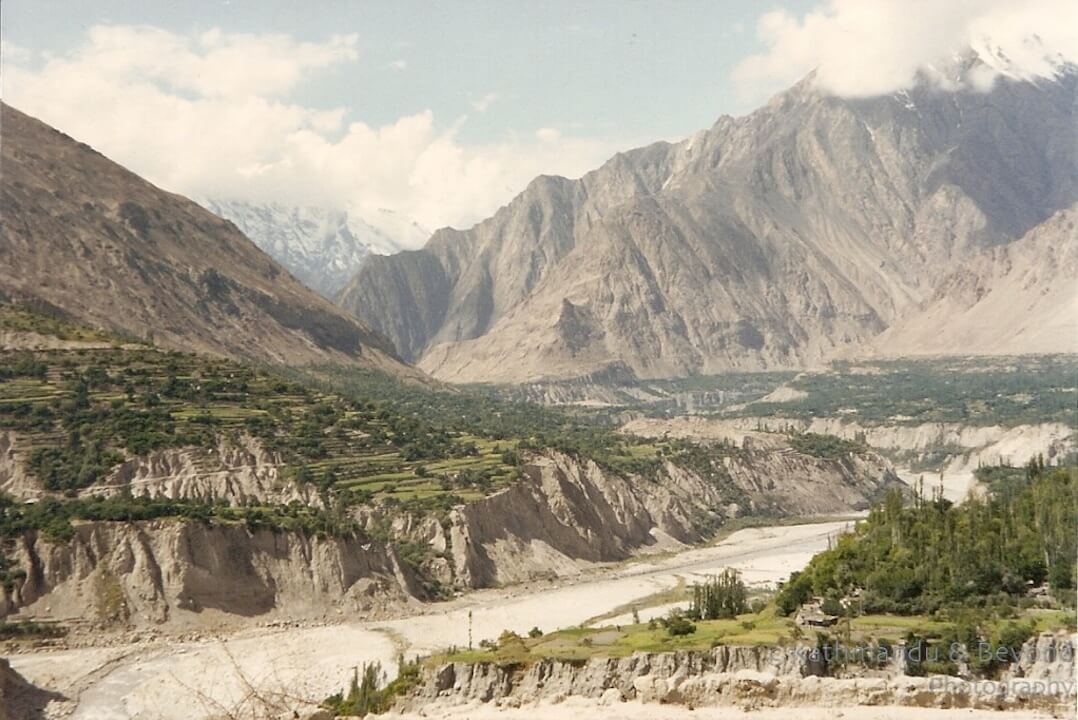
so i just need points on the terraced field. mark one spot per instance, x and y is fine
(80, 411)
(82, 403)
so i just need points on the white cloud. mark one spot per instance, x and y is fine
(13, 52)
(872, 47)
(209, 115)
(548, 135)
(483, 104)
(399, 65)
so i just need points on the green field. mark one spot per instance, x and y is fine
(750, 629)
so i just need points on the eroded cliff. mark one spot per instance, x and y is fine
(562, 516)
(750, 677)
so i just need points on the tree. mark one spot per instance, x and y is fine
(723, 596)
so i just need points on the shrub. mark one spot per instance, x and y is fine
(677, 624)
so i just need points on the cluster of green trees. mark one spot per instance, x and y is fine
(676, 623)
(934, 555)
(722, 596)
(485, 413)
(98, 405)
(367, 695)
(985, 653)
(23, 364)
(1010, 392)
(54, 516)
(825, 446)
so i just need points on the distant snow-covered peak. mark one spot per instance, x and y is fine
(322, 247)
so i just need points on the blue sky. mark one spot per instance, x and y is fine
(440, 112)
(630, 69)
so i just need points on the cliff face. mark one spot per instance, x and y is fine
(750, 677)
(547, 679)
(1015, 299)
(564, 515)
(238, 471)
(172, 571)
(569, 512)
(953, 448)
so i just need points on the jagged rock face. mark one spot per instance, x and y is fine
(547, 679)
(85, 236)
(1015, 445)
(770, 240)
(322, 247)
(173, 571)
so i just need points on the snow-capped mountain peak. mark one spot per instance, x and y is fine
(322, 247)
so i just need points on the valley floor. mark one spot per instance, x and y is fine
(244, 674)
(172, 680)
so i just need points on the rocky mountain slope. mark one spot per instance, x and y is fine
(771, 240)
(1009, 300)
(84, 236)
(322, 247)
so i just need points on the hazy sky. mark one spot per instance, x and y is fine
(442, 111)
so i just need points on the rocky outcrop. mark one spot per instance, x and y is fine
(19, 699)
(569, 512)
(186, 572)
(750, 677)
(15, 479)
(1048, 657)
(546, 679)
(238, 471)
